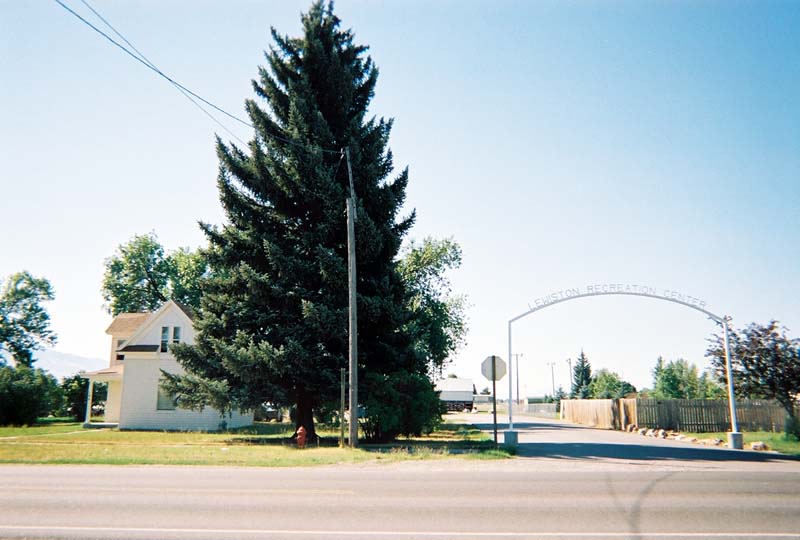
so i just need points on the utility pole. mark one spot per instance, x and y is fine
(571, 380)
(342, 383)
(353, 321)
(735, 436)
(552, 376)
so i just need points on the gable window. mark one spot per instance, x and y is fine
(164, 338)
(166, 402)
(176, 334)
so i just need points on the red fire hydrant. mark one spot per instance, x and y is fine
(301, 437)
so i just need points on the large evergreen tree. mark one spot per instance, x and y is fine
(273, 320)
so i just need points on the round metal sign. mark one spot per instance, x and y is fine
(499, 368)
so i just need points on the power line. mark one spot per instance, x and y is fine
(153, 67)
(142, 59)
(144, 63)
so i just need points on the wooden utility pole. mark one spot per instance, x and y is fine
(341, 409)
(353, 334)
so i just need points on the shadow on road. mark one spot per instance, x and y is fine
(652, 450)
(528, 426)
(642, 452)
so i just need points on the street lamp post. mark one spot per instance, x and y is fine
(516, 359)
(552, 376)
(569, 361)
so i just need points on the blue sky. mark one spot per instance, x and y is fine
(560, 143)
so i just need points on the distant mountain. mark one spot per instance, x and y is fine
(65, 365)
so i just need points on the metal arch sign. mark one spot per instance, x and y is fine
(630, 289)
(625, 289)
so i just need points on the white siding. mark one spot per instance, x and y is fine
(171, 317)
(454, 389)
(113, 401)
(453, 396)
(140, 395)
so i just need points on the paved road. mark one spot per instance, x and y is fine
(574, 492)
(582, 446)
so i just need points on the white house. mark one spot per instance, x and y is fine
(456, 393)
(139, 351)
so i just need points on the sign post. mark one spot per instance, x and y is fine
(494, 369)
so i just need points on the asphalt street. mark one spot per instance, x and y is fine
(568, 482)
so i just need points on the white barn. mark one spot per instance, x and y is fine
(139, 351)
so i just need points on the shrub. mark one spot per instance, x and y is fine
(75, 390)
(26, 394)
(792, 428)
(400, 403)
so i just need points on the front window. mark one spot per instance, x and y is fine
(166, 402)
(164, 338)
(176, 334)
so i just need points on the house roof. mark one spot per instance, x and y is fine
(139, 348)
(112, 372)
(186, 309)
(454, 385)
(126, 324)
(150, 320)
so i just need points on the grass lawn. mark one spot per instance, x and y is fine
(264, 444)
(775, 441)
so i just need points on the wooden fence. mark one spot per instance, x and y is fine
(694, 415)
(600, 413)
(705, 415)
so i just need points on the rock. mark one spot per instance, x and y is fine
(661, 434)
(759, 446)
(711, 442)
(633, 427)
(642, 431)
(680, 437)
(651, 433)
(691, 439)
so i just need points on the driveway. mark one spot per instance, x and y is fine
(556, 444)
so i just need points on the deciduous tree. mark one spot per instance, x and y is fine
(766, 364)
(609, 385)
(141, 276)
(438, 324)
(24, 321)
(26, 394)
(678, 379)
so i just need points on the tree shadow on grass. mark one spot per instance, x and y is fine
(448, 438)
